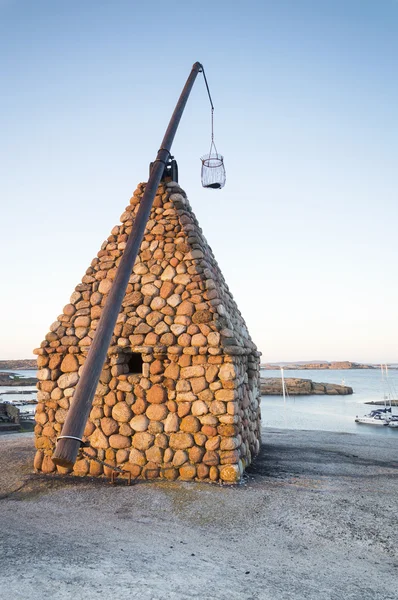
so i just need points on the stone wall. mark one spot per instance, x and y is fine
(178, 396)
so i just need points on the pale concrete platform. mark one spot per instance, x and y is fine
(315, 519)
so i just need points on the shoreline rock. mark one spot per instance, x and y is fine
(12, 380)
(272, 386)
(321, 365)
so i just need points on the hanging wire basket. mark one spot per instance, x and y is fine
(213, 169)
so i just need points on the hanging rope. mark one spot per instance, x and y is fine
(213, 170)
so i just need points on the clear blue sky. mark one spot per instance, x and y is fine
(306, 99)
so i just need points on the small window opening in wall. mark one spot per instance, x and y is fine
(135, 363)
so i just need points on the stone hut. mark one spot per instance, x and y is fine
(178, 396)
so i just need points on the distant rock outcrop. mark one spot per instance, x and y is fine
(10, 379)
(18, 364)
(345, 364)
(272, 386)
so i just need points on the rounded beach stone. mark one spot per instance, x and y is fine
(122, 412)
(109, 426)
(38, 460)
(82, 321)
(195, 371)
(47, 465)
(139, 423)
(150, 290)
(119, 441)
(211, 458)
(213, 473)
(180, 457)
(202, 316)
(225, 395)
(196, 454)
(156, 412)
(199, 408)
(104, 286)
(188, 472)
(122, 456)
(139, 406)
(186, 308)
(198, 384)
(43, 374)
(172, 371)
(154, 454)
(230, 473)
(213, 443)
(198, 340)
(202, 471)
(181, 441)
(168, 274)
(217, 407)
(60, 415)
(190, 424)
(143, 440)
(137, 457)
(69, 310)
(99, 440)
(68, 380)
(170, 474)
(157, 394)
(227, 372)
(81, 467)
(69, 364)
(172, 423)
(213, 339)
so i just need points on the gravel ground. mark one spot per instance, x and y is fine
(315, 519)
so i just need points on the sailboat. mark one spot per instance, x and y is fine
(382, 416)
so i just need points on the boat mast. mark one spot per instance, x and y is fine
(283, 386)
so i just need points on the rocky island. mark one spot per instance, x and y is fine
(272, 386)
(21, 364)
(321, 364)
(12, 379)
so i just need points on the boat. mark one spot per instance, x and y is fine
(380, 416)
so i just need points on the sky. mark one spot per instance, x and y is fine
(305, 95)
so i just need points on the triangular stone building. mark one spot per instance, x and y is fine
(179, 395)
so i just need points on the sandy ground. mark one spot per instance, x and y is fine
(317, 518)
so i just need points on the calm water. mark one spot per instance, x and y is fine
(29, 392)
(330, 413)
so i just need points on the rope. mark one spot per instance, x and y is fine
(212, 145)
(207, 86)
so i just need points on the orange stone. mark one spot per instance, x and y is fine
(170, 474)
(211, 458)
(181, 441)
(230, 473)
(156, 412)
(167, 289)
(190, 424)
(109, 426)
(47, 465)
(119, 441)
(202, 471)
(187, 472)
(156, 394)
(196, 454)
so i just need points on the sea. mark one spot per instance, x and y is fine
(327, 413)
(8, 393)
(331, 413)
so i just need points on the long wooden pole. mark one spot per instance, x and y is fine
(69, 441)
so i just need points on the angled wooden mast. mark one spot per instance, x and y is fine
(69, 441)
